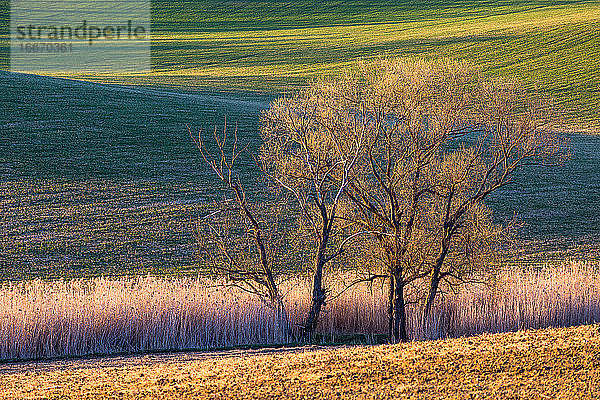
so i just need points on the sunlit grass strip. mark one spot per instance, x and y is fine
(555, 48)
(46, 319)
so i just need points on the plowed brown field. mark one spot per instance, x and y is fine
(543, 364)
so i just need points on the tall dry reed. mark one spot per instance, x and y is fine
(539, 297)
(46, 319)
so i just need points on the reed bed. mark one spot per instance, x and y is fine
(47, 319)
(518, 299)
(41, 319)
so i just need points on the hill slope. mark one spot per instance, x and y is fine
(551, 363)
(271, 45)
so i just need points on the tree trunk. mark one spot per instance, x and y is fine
(436, 277)
(434, 284)
(400, 334)
(397, 310)
(318, 298)
(391, 295)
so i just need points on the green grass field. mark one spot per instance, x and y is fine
(98, 179)
(275, 45)
(104, 180)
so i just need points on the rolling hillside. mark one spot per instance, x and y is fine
(139, 181)
(272, 45)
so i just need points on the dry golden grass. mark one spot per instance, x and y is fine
(45, 319)
(56, 318)
(552, 363)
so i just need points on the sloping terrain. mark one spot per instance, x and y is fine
(105, 180)
(551, 363)
(272, 45)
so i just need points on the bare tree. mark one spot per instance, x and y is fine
(233, 232)
(310, 151)
(396, 158)
(513, 131)
(435, 140)
(407, 112)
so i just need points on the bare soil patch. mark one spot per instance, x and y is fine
(538, 364)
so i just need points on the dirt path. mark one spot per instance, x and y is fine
(139, 360)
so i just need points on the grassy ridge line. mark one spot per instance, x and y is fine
(555, 48)
(222, 15)
(550, 363)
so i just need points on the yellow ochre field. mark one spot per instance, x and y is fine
(559, 363)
